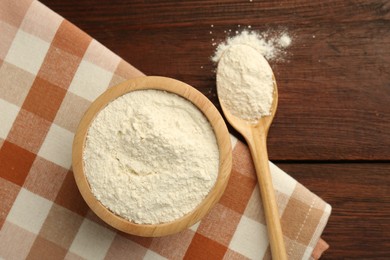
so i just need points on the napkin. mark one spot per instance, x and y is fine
(50, 72)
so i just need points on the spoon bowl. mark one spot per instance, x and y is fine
(255, 134)
(243, 126)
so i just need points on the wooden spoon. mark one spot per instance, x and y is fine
(255, 135)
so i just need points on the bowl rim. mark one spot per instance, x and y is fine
(221, 133)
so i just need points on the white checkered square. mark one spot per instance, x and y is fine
(92, 240)
(233, 140)
(29, 211)
(8, 113)
(308, 252)
(57, 146)
(27, 52)
(282, 181)
(90, 81)
(150, 255)
(250, 239)
(195, 226)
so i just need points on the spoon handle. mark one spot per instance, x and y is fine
(257, 144)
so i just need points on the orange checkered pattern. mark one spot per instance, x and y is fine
(50, 72)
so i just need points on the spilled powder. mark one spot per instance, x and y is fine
(271, 45)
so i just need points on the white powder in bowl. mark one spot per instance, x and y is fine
(245, 82)
(151, 156)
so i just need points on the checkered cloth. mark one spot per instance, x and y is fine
(50, 72)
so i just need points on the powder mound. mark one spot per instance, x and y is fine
(151, 156)
(269, 44)
(245, 82)
(284, 40)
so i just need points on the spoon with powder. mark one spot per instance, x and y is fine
(248, 95)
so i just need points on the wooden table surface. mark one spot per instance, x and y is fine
(332, 128)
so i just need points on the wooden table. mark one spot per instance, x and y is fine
(332, 128)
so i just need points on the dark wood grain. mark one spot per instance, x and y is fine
(359, 226)
(334, 84)
(334, 90)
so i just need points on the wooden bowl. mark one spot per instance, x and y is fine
(221, 133)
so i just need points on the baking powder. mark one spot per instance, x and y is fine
(245, 81)
(151, 156)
